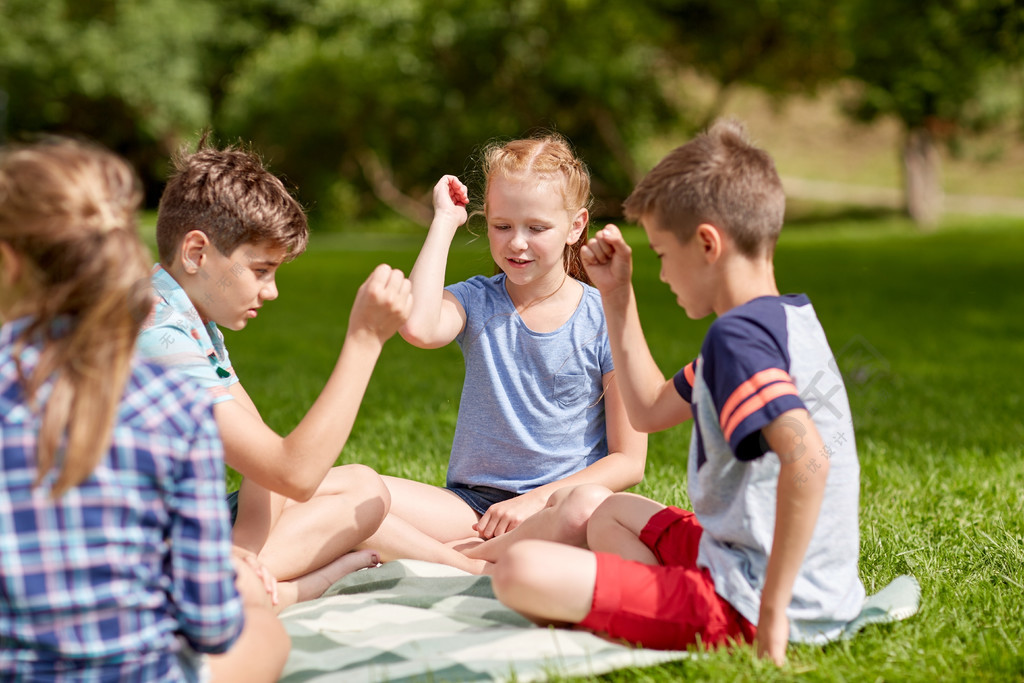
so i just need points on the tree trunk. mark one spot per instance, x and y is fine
(922, 178)
(382, 182)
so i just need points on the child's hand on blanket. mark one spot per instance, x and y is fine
(505, 516)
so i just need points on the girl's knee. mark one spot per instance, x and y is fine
(580, 504)
(587, 498)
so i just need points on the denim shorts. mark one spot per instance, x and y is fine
(481, 497)
(233, 506)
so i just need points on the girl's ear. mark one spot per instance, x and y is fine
(710, 239)
(193, 250)
(13, 273)
(10, 266)
(579, 224)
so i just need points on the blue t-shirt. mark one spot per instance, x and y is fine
(532, 410)
(758, 361)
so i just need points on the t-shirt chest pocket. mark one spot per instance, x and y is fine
(571, 389)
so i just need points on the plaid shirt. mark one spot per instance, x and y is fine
(101, 583)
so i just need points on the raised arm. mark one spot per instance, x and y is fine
(801, 490)
(436, 316)
(295, 465)
(651, 401)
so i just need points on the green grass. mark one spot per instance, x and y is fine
(929, 329)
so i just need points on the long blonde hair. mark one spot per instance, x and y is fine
(550, 157)
(68, 209)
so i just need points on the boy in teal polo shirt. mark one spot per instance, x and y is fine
(224, 227)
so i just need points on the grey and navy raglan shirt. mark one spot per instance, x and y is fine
(758, 361)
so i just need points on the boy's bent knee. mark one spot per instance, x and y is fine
(356, 475)
(515, 569)
(607, 509)
(361, 482)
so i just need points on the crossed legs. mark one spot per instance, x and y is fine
(309, 547)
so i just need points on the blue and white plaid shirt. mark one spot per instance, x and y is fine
(102, 583)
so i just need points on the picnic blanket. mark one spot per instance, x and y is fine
(418, 621)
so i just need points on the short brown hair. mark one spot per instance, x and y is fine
(229, 196)
(720, 178)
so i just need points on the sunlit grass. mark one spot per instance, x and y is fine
(930, 332)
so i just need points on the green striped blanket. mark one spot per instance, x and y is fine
(418, 621)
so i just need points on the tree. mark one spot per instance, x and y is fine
(385, 97)
(127, 74)
(933, 65)
(780, 46)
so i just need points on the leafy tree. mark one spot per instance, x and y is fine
(128, 74)
(938, 66)
(780, 46)
(364, 95)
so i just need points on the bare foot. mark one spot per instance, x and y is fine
(469, 561)
(315, 583)
(466, 546)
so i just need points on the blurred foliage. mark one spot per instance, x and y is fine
(128, 74)
(386, 97)
(362, 104)
(782, 46)
(950, 66)
(941, 68)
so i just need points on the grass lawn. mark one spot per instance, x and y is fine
(929, 331)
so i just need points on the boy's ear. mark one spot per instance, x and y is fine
(711, 241)
(193, 250)
(579, 224)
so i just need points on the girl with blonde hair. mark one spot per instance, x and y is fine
(542, 436)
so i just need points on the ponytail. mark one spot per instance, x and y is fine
(69, 210)
(572, 259)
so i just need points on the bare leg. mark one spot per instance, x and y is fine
(346, 509)
(548, 583)
(564, 520)
(423, 520)
(258, 511)
(616, 525)
(397, 539)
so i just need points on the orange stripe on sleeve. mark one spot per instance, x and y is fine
(688, 374)
(763, 398)
(749, 388)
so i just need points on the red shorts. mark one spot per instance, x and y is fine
(668, 606)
